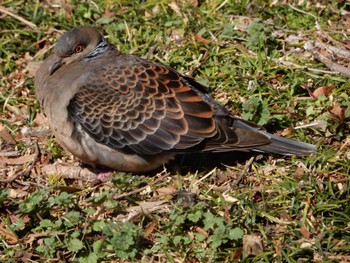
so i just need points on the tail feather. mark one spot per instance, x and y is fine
(284, 146)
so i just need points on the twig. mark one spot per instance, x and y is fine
(325, 35)
(9, 154)
(201, 63)
(311, 47)
(13, 90)
(69, 172)
(244, 171)
(103, 207)
(322, 71)
(332, 65)
(28, 170)
(302, 11)
(137, 190)
(342, 53)
(205, 176)
(221, 6)
(21, 19)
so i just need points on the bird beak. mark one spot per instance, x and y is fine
(57, 63)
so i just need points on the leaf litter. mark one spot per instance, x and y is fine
(264, 198)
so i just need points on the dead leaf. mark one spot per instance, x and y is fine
(252, 245)
(174, 6)
(166, 190)
(150, 228)
(338, 111)
(147, 14)
(306, 245)
(18, 160)
(338, 258)
(145, 208)
(201, 231)
(236, 255)
(193, 3)
(155, 10)
(287, 132)
(227, 214)
(285, 216)
(277, 244)
(257, 197)
(17, 193)
(8, 235)
(23, 256)
(200, 39)
(305, 233)
(299, 172)
(324, 90)
(5, 135)
(294, 39)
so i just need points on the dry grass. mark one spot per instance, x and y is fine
(201, 208)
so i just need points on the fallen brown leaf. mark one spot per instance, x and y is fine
(236, 255)
(193, 3)
(8, 235)
(23, 256)
(299, 172)
(252, 245)
(200, 39)
(5, 135)
(338, 111)
(18, 160)
(202, 231)
(277, 244)
(305, 233)
(324, 90)
(17, 193)
(166, 190)
(150, 228)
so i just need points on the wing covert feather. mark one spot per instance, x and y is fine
(142, 107)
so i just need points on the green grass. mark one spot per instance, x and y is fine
(291, 209)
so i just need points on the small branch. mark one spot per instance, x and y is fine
(103, 207)
(332, 65)
(138, 190)
(339, 52)
(302, 11)
(9, 154)
(69, 172)
(21, 19)
(244, 171)
(28, 170)
(311, 46)
(205, 176)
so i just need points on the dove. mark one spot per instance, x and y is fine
(130, 114)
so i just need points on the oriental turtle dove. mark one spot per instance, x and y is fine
(132, 114)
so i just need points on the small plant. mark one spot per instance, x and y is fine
(251, 53)
(196, 228)
(256, 110)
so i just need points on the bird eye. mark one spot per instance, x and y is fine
(79, 49)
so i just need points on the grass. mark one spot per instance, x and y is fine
(251, 53)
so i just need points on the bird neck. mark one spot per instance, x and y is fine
(101, 47)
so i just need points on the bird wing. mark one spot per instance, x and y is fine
(144, 107)
(141, 107)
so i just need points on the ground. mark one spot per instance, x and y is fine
(282, 64)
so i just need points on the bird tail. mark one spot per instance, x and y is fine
(284, 146)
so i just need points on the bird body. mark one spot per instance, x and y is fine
(131, 114)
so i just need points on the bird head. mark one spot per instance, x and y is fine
(75, 45)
